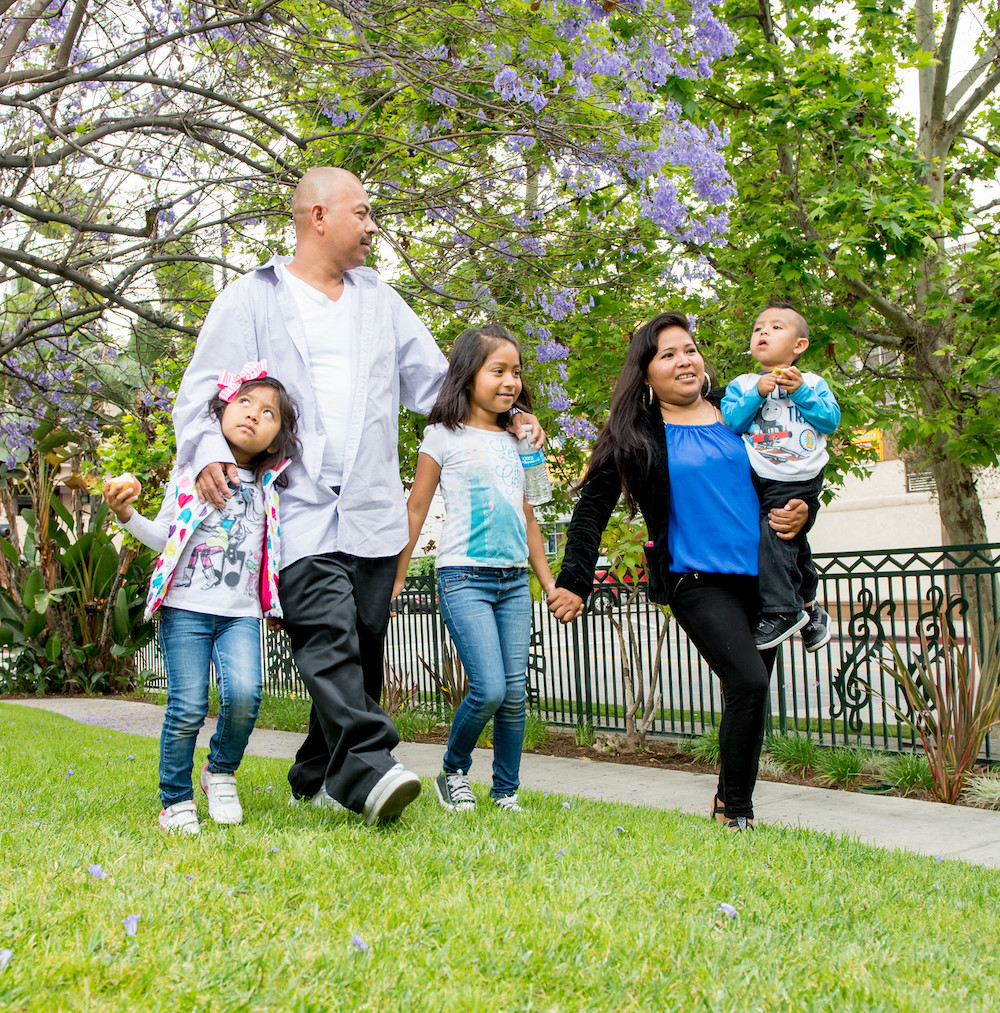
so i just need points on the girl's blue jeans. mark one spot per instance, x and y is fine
(488, 613)
(189, 642)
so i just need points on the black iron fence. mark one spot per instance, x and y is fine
(915, 598)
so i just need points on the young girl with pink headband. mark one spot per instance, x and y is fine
(216, 576)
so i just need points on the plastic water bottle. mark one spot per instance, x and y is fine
(537, 487)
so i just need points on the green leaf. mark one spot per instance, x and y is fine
(53, 647)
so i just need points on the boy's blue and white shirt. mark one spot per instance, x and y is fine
(482, 483)
(784, 434)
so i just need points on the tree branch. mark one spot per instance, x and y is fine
(943, 55)
(17, 261)
(987, 59)
(954, 126)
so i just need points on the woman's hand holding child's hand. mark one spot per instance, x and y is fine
(565, 605)
(120, 493)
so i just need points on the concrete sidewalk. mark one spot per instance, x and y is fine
(928, 828)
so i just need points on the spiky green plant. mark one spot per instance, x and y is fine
(952, 704)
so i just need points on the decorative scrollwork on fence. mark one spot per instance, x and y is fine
(851, 690)
(934, 628)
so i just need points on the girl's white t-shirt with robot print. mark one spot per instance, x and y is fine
(219, 569)
(482, 483)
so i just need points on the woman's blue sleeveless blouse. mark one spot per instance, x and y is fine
(714, 510)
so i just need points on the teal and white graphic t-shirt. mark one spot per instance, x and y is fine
(482, 483)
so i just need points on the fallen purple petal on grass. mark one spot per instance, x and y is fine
(69, 772)
(96, 871)
(130, 757)
(270, 787)
(566, 805)
(939, 858)
(359, 944)
(189, 877)
(728, 910)
(560, 852)
(131, 923)
(619, 830)
(272, 851)
(546, 795)
(5, 956)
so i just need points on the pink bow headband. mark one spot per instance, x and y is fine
(229, 384)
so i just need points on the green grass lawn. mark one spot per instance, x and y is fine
(570, 906)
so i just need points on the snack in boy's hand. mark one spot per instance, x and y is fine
(778, 371)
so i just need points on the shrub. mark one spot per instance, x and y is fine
(796, 753)
(982, 790)
(535, 730)
(842, 766)
(952, 706)
(705, 748)
(908, 771)
(584, 734)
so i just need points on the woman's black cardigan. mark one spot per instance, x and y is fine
(596, 504)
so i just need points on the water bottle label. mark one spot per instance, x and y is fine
(535, 459)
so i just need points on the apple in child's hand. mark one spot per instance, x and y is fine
(125, 483)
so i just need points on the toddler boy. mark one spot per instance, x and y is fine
(784, 415)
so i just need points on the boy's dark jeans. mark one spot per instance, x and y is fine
(788, 578)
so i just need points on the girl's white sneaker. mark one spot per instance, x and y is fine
(223, 802)
(180, 818)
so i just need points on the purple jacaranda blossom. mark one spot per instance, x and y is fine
(560, 852)
(131, 923)
(359, 944)
(566, 805)
(69, 773)
(728, 910)
(5, 955)
(272, 851)
(619, 830)
(130, 757)
(96, 871)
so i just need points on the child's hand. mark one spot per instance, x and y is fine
(765, 383)
(274, 625)
(119, 493)
(397, 588)
(790, 379)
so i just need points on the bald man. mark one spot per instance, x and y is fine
(349, 350)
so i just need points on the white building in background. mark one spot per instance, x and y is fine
(894, 507)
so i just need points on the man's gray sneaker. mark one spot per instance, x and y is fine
(393, 792)
(453, 791)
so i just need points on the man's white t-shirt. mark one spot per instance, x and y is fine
(333, 360)
(482, 483)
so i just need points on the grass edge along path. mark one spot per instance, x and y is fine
(572, 905)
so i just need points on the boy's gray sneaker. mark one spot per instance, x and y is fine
(773, 627)
(453, 791)
(816, 632)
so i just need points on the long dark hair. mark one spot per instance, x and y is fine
(287, 441)
(468, 353)
(627, 438)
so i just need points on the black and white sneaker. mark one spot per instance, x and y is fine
(773, 627)
(453, 791)
(816, 632)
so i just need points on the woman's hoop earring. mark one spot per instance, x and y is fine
(707, 388)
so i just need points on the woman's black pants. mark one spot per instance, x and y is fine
(719, 612)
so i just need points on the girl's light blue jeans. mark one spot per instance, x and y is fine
(488, 613)
(189, 641)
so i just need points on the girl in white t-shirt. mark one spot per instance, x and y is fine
(490, 536)
(215, 577)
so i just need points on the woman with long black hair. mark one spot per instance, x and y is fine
(666, 450)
